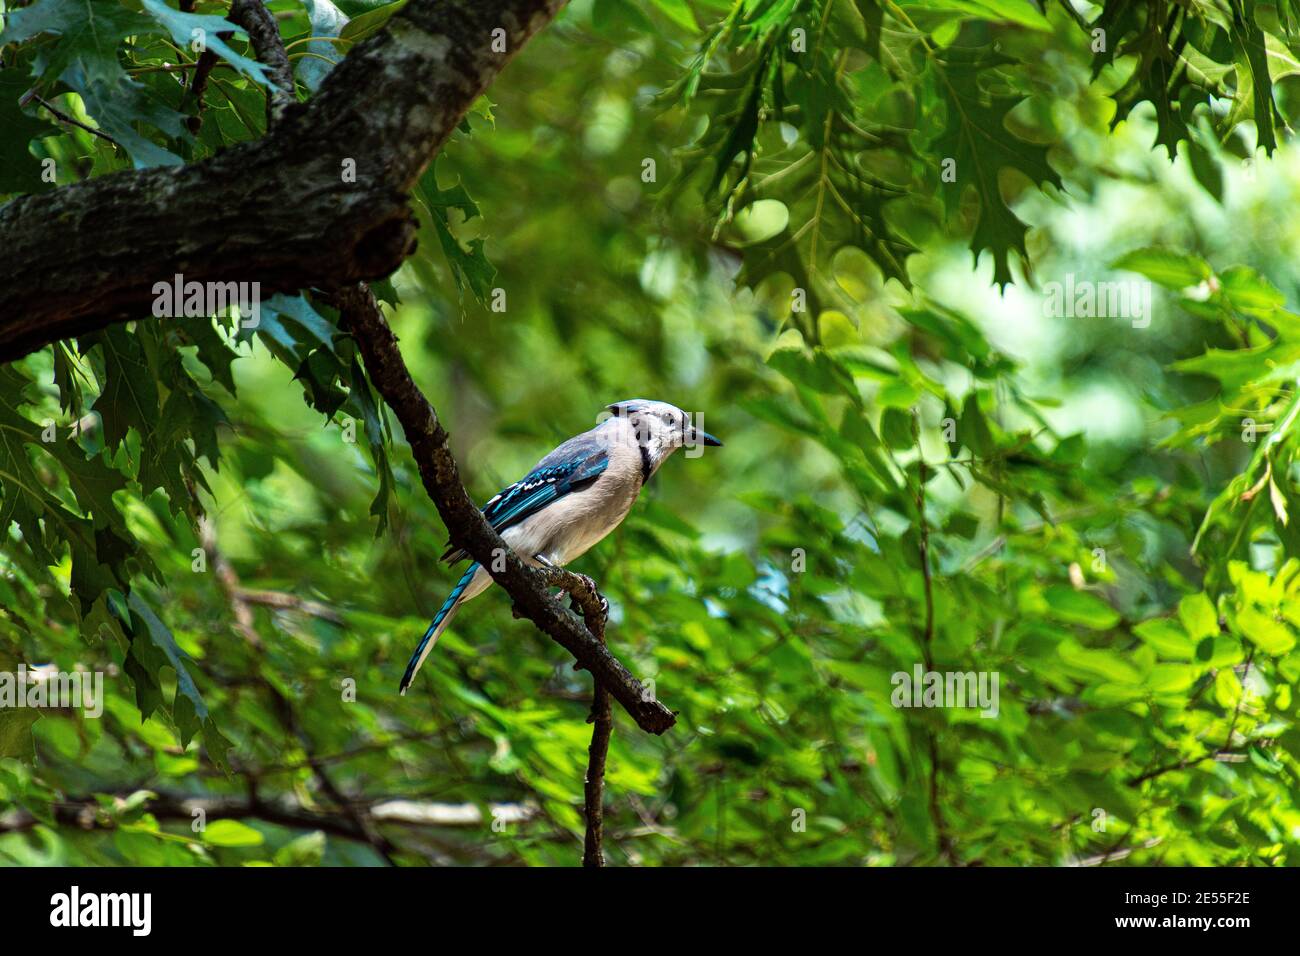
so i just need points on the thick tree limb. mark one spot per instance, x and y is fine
(360, 314)
(321, 199)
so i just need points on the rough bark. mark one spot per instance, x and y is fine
(264, 35)
(282, 211)
(602, 728)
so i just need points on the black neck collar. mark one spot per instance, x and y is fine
(646, 465)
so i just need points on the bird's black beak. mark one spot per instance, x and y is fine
(706, 438)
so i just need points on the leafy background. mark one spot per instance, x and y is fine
(1105, 522)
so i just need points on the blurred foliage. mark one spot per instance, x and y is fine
(747, 209)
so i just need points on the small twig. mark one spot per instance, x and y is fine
(228, 579)
(87, 812)
(62, 116)
(315, 56)
(1215, 753)
(1241, 699)
(203, 68)
(302, 40)
(602, 726)
(1225, 753)
(358, 815)
(588, 601)
(1117, 852)
(283, 601)
(173, 68)
(927, 640)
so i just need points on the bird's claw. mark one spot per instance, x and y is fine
(590, 584)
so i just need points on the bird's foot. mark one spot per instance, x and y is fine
(591, 586)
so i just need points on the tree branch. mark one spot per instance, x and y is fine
(359, 314)
(323, 197)
(264, 35)
(945, 842)
(595, 612)
(63, 117)
(1226, 753)
(283, 708)
(88, 813)
(602, 727)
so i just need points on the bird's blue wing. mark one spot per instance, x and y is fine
(560, 473)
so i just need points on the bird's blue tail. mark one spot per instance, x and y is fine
(440, 621)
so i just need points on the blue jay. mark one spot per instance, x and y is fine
(573, 498)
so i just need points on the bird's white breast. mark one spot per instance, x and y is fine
(568, 528)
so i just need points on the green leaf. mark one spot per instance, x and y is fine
(370, 22)
(1249, 291)
(1010, 11)
(362, 402)
(153, 648)
(1198, 616)
(679, 12)
(213, 349)
(1166, 638)
(1141, 30)
(185, 27)
(1079, 607)
(20, 171)
(1266, 762)
(469, 266)
(976, 138)
(129, 398)
(16, 732)
(88, 33)
(1170, 269)
(791, 204)
(118, 109)
(1206, 169)
(973, 430)
(1269, 635)
(1252, 54)
(306, 850)
(1106, 664)
(231, 833)
(812, 368)
(289, 327)
(896, 429)
(326, 20)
